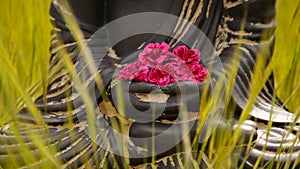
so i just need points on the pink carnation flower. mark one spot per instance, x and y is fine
(159, 77)
(161, 46)
(190, 56)
(184, 73)
(152, 58)
(199, 71)
(155, 54)
(143, 74)
(129, 72)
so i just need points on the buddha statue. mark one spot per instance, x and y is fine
(233, 35)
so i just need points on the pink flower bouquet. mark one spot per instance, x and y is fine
(157, 65)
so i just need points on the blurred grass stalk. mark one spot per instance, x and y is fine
(287, 53)
(24, 63)
(24, 52)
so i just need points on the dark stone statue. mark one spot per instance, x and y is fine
(233, 27)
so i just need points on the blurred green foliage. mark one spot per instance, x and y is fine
(287, 53)
(24, 52)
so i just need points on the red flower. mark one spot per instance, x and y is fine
(190, 56)
(199, 71)
(159, 77)
(143, 74)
